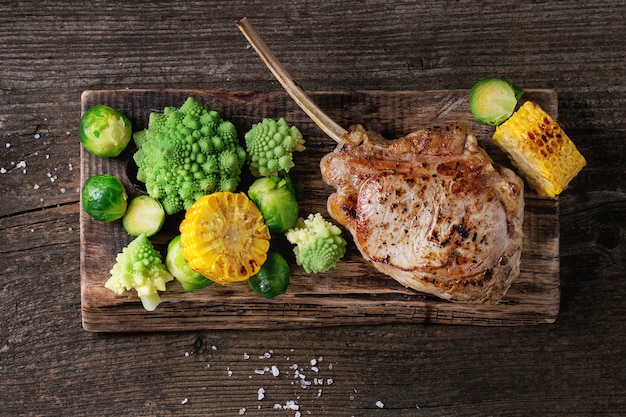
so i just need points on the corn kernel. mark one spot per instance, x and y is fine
(539, 149)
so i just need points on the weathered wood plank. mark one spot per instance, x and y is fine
(352, 293)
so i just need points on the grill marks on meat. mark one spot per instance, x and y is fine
(430, 210)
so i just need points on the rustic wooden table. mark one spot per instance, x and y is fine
(52, 51)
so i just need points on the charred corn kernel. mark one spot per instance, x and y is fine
(539, 148)
(224, 237)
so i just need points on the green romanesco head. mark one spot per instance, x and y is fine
(187, 152)
(139, 267)
(319, 244)
(270, 145)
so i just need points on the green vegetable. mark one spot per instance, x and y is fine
(178, 267)
(273, 277)
(104, 131)
(104, 197)
(270, 145)
(143, 215)
(139, 267)
(187, 152)
(319, 243)
(493, 100)
(276, 200)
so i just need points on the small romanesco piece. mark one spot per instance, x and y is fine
(186, 153)
(319, 244)
(139, 267)
(270, 145)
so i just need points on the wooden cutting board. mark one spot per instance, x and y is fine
(352, 293)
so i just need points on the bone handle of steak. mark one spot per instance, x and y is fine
(320, 118)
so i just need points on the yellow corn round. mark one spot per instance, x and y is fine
(224, 237)
(539, 149)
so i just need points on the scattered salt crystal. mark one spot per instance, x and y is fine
(278, 407)
(36, 186)
(70, 167)
(242, 411)
(313, 362)
(47, 156)
(330, 381)
(21, 164)
(261, 394)
(275, 371)
(187, 353)
(229, 372)
(315, 369)
(185, 401)
(291, 405)
(380, 404)
(68, 133)
(62, 190)
(319, 392)
(3, 170)
(37, 136)
(214, 347)
(8, 145)
(246, 356)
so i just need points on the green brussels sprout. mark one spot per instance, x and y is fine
(493, 100)
(104, 131)
(104, 197)
(273, 277)
(180, 269)
(143, 215)
(275, 198)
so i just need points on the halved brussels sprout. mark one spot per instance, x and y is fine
(493, 100)
(178, 267)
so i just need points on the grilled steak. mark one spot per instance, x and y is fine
(431, 210)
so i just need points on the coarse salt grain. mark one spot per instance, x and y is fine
(8, 145)
(184, 401)
(242, 411)
(261, 394)
(36, 186)
(380, 404)
(3, 170)
(37, 136)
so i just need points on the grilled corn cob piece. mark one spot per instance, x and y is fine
(224, 237)
(538, 147)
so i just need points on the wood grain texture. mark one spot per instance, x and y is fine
(52, 50)
(352, 293)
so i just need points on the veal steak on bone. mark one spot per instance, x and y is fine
(430, 209)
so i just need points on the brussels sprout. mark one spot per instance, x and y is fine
(104, 131)
(178, 267)
(276, 200)
(104, 197)
(493, 100)
(273, 278)
(143, 215)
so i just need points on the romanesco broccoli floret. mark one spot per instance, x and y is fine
(270, 145)
(319, 244)
(139, 267)
(187, 152)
